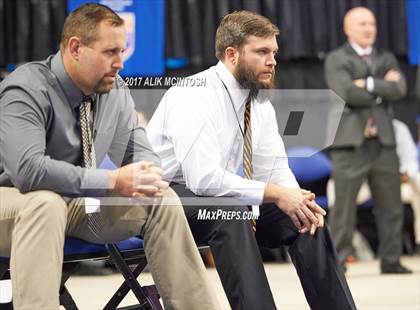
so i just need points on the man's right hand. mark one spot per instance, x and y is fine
(141, 179)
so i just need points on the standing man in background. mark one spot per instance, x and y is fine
(364, 148)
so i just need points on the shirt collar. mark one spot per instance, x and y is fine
(73, 94)
(360, 50)
(238, 94)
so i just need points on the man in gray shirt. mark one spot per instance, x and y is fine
(58, 118)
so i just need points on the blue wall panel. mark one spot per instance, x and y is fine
(145, 34)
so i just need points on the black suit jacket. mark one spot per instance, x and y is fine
(342, 67)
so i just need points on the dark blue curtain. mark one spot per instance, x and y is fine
(30, 29)
(309, 28)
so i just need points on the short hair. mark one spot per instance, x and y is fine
(235, 28)
(84, 21)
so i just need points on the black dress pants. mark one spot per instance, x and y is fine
(239, 264)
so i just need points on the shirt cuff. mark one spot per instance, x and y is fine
(254, 194)
(370, 84)
(95, 183)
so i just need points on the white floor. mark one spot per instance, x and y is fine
(371, 290)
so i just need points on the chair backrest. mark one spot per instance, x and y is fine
(308, 164)
(312, 170)
(78, 250)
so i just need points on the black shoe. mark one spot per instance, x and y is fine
(395, 268)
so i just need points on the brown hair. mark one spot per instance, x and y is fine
(84, 21)
(235, 28)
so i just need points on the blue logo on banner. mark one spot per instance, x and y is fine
(413, 29)
(144, 55)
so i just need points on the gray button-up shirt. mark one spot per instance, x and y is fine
(40, 136)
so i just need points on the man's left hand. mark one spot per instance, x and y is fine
(314, 227)
(311, 197)
(392, 76)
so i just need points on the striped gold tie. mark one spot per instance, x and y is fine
(247, 153)
(95, 222)
(89, 158)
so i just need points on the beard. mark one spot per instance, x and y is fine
(249, 80)
(103, 87)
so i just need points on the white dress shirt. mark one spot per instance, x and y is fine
(196, 131)
(406, 149)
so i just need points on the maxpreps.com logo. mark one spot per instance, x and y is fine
(130, 26)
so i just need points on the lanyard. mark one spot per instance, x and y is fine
(233, 107)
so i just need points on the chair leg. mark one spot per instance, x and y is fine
(66, 300)
(68, 270)
(124, 288)
(130, 282)
(153, 295)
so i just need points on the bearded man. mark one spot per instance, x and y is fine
(205, 135)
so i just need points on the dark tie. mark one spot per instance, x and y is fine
(247, 153)
(365, 57)
(371, 129)
(95, 222)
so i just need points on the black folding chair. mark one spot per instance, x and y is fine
(129, 258)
